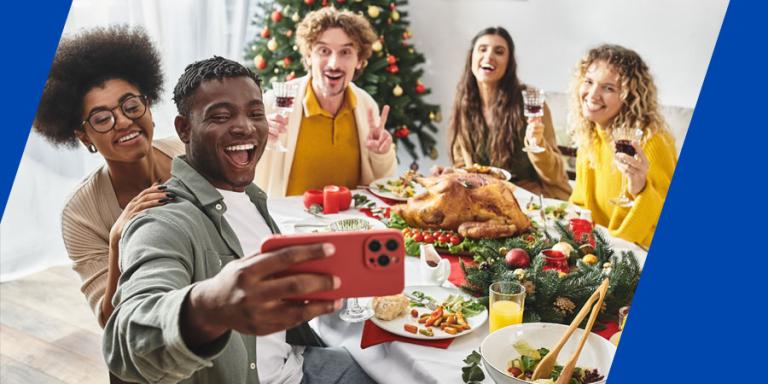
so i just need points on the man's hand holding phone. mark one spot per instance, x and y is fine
(247, 297)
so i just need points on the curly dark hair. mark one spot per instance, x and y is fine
(216, 67)
(87, 60)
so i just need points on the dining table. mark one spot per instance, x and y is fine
(400, 362)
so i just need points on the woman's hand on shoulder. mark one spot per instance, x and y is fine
(153, 196)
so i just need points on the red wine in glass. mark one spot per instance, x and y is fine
(533, 110)
(625, 146)
(284, 102)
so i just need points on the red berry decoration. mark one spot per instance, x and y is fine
(277, 16)
(265, 33)
(420, 88)
(391, 59)
(309, 2)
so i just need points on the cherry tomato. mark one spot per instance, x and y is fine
(443, 239)
(406, 232)
(454, 240)
(436, 234)
(418, 238)
(428, 238)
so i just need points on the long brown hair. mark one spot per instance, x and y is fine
(638, 93)
(467, 113)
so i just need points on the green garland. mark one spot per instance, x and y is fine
(547, 288)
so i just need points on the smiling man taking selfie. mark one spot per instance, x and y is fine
(194, 293)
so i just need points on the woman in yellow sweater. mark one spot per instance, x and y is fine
(99, 92)
(487, 123)
(612, 89)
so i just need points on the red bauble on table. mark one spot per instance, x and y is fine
(517, 258)
(277, 16)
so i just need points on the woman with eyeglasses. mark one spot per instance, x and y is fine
(99, 91)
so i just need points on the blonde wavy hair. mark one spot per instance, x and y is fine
(355, 26)
(637, 91)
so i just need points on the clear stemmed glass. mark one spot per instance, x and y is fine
(353, 311)
(533, 102)
(284, 94)
(622, 140)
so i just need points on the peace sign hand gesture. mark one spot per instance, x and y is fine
(379, 140)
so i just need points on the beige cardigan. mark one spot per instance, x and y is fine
(86, 220)
(548, 164)
(274, 168)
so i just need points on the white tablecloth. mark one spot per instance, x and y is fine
(396, 362)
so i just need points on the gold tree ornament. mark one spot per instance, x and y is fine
(397, 91)
(272, 45)
(376, 46)
(374, 11)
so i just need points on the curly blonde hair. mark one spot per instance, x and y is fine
(637, 91)
(355, 26)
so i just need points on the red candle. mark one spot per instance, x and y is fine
(345, 198)
(555, 260)
(313, 196)
(331, 199)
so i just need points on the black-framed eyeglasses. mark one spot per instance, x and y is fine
(104, 120)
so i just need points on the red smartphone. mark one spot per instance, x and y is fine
(369, 263)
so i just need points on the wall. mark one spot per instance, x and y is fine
(675, 38)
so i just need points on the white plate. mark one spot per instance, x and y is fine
(507, 175)
(374, 189)
(439, 294)
(320, 224)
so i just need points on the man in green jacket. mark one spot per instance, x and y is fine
(196, 303)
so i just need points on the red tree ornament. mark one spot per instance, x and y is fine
(277, 16)
(393, 69)
(287, 61)
(402, 132)
(265, 32)
(391, 60)
(259, 62)
(420, 88)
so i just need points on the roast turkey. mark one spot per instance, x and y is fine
(475, 205)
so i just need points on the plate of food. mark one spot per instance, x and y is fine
(498, 173)
(397, 188)
(323, 223)
(429, 312)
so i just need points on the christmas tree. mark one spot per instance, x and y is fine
(392, 75)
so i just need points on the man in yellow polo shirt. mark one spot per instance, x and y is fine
(337, 136)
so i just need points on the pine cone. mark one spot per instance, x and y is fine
(591, 376)
(530, 287)
(564, 305)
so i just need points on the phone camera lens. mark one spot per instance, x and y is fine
(374, 246)
(383, 260)
(392, 244)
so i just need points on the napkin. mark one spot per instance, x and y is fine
(373, 335)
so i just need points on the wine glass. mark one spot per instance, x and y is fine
(284, 95)
(353, 311)
(622, 140)
(533, 102)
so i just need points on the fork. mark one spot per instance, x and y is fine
(428, 302)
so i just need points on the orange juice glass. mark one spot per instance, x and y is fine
(506, 302)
